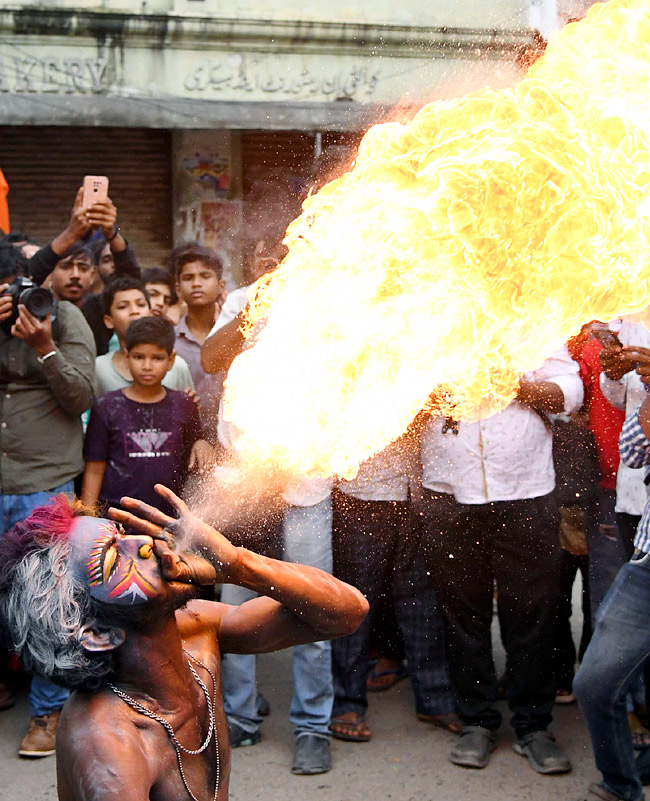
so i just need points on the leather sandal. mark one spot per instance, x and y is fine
(449, 722)
(352, 730)
(597, 793)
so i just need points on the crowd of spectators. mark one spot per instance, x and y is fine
(117, 388)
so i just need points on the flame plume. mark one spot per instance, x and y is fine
(461, 249)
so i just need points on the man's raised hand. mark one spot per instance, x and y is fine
(186, 568)
(102, 214)
(193, 533)
(641, 359)
(616, 361)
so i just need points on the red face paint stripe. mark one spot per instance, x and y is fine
(134, 577)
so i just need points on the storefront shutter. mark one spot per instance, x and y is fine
(280, 167)
(44, 166)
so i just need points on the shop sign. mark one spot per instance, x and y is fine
(235, 74)
(52, 74)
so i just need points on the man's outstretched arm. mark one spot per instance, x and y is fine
(299, 604)
(220, 350)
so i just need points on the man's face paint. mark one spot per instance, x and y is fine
(118, 568)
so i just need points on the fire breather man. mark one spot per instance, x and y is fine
(115, 616)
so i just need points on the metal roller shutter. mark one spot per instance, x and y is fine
(279, 168)
(44, 167)
(274, 153)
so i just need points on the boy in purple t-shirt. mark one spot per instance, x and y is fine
(144, 434)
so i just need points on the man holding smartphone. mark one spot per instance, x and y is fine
(113, 256)
(82, 219)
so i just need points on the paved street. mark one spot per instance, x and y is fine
(406, 759)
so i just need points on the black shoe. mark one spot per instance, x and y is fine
(312, 754)
(543, 753)
(240, 737)
(474, 747)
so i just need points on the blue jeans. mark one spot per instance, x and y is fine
(619, 647)
(45, 696)
(604, 545)
(307, 540)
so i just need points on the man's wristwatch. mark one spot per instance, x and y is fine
(116, 231)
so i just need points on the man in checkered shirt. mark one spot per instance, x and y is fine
(621, 641)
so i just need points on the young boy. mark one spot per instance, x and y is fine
(160, 288)
(125, 300)
(197, 271)
(144, 434)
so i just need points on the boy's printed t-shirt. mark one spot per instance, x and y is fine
(142, 444)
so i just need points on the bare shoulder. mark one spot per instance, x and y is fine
(84, 720)
(97, 750)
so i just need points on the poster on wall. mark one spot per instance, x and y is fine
(217, 225)
(221, 222)
(212, 172)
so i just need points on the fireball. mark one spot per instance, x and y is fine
(461, 249)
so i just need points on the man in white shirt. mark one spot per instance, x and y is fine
(490, 515)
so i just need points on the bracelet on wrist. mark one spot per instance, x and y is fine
(114, 234)
(43, 359)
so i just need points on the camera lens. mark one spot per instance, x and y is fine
(38, 301)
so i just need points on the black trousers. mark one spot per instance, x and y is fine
(565, 649)
(516, 544)
(377, 549)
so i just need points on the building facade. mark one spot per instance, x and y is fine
(198, 110)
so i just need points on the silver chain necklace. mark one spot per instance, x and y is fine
(178, 747)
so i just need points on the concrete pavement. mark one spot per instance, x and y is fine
(405, 760)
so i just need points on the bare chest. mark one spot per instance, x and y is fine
(180, 766)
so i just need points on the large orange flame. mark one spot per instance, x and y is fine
(461, 249)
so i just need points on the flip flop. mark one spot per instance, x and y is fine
(353, 733)
(449, 722)
(393, 675)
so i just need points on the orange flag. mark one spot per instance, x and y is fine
(4, 208)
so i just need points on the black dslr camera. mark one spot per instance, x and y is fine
(38, 301)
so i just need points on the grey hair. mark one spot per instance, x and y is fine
(45, 608)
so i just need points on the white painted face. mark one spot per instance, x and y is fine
(118, 568)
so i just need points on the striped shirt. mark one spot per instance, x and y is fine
(635, 452)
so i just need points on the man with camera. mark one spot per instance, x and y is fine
(47, 358)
